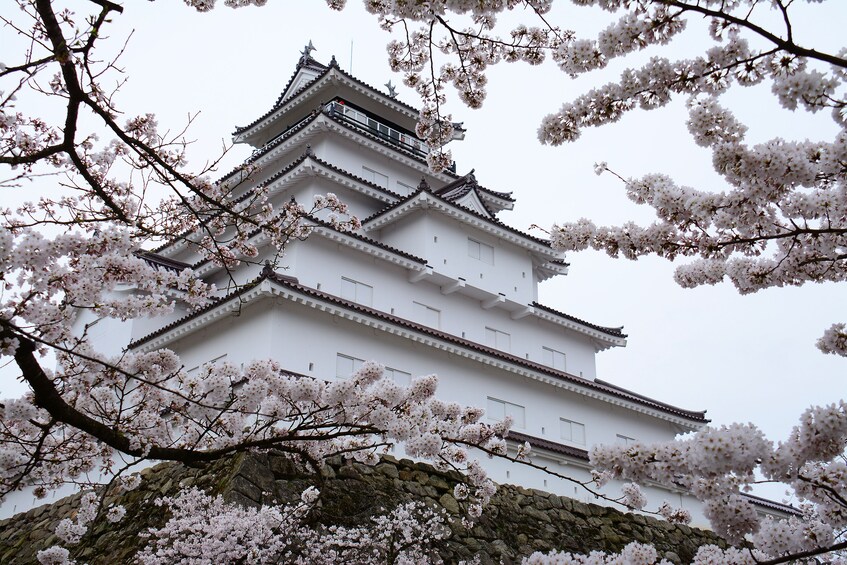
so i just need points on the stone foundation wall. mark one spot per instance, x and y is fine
(518, 521)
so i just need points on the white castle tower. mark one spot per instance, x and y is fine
(433, 282)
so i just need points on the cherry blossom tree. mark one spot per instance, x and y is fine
(119, 185)
(122, 184)
(780, 219)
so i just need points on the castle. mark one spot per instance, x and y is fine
(433, 282)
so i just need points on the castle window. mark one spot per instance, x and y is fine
(399, 377)
(553, 358)
(356, 291)
(499, 409)
(427, 315)
(498, 339)
(375, 177)
(573, 432)
(480, 251)
(346, 365)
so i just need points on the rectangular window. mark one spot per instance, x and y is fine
(573, 432)
(404, 188)
(624, 440)
(553, 358)
(481, 251)
(356, 291)
(427, 315)
(499, 409)
(345, 365)
(497, 339)
(374, 176)
(400, 377)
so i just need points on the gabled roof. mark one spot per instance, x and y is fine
(306, 62)
(424, 198)
(467, 184)
(332, 70)
(253, 291)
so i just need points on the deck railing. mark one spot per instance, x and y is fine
(381, 130)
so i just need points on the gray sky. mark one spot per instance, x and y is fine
(749, 358)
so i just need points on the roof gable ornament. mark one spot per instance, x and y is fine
(392, 90)
(423, 185)
(306, 53)
(333, 63)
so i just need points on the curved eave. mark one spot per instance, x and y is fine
(333, 75)
(601, 339)
(267, 288)
(378, 251)
(496, 203)
(424, 200)
(305, 166)
(558, 450)
(549, 270)
(312, 166)
(295, 136)
(353, 241)
(242, 135)
(322, 123)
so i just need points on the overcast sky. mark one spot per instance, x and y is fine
(749, 358)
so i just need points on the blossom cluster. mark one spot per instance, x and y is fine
(717, 465)
(632, 554)
(206, 529)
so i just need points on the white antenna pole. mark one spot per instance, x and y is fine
(351, 56)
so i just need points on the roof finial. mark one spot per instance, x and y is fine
(423, 185)
(309, 151)
(306, 53)
(333, 62)
(392, 90)
(268, 269)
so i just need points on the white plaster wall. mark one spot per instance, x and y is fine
(319, 262)
(298, 335)
(349, 155)
(242, 337)
(306, 340)
(109, 335)
(443, 242)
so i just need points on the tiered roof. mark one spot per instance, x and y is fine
(325, 73)
(272, 280)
